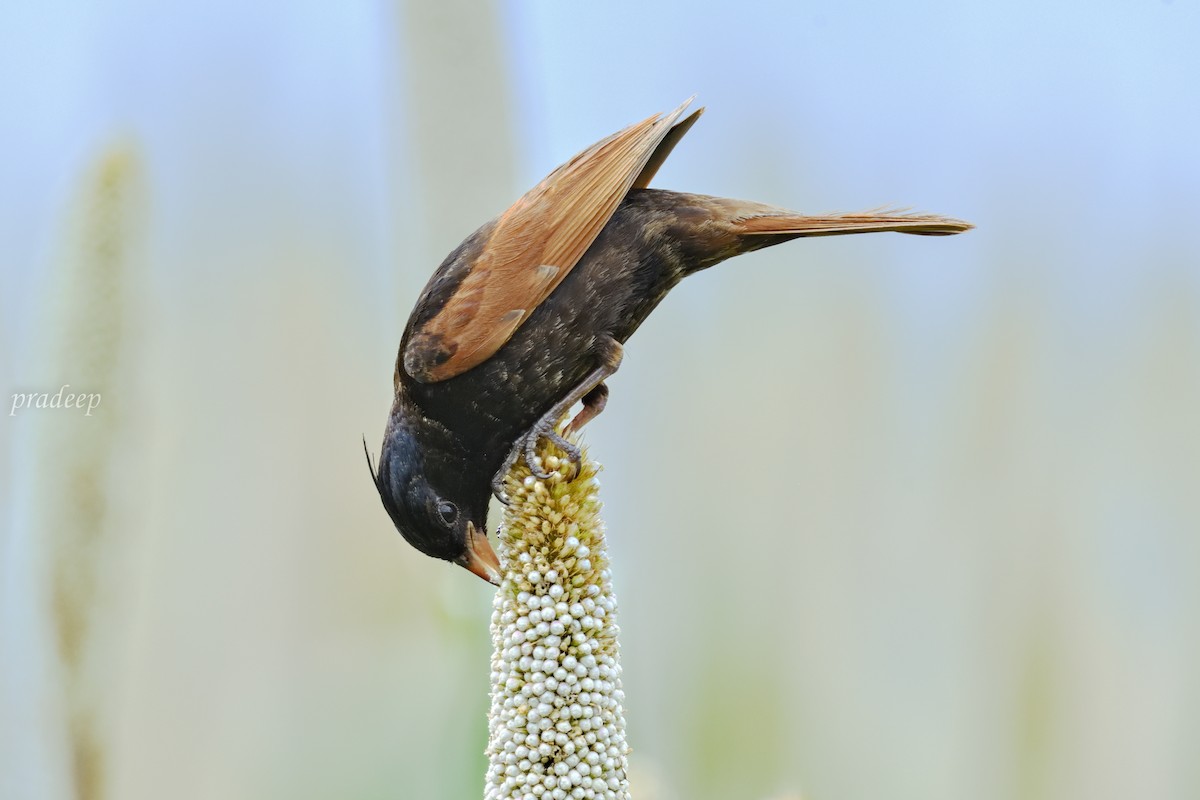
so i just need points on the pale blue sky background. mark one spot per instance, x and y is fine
(1078, 119)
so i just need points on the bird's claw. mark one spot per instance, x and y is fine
(527, 446)
(498, 490)
(569, 449)
(501, 477)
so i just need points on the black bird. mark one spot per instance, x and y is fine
(528, 316)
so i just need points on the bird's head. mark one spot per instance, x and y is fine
(431, 500)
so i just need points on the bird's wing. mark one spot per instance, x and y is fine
(533, 246)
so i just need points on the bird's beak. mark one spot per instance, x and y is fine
(480, 558)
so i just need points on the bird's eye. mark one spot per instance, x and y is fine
(447, 511)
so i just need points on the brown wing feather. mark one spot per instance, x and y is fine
(533, 247)
(664, 149)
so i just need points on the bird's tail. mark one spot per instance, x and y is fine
(777, 222)
(719, 228)
(709, 230)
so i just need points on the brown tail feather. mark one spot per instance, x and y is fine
(794, 225)
(712, 229)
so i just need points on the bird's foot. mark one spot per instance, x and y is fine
(527, 446)
(546, 429)
(593, 392)
(498, 481)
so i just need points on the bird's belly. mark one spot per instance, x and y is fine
(489, 407)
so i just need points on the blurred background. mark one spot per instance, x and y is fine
(891, 517)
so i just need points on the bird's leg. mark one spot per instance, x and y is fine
(593, 403)
(591, 390)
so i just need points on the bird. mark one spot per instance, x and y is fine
(530, 315)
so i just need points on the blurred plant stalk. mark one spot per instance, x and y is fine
(557, 721)
(72, 529)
